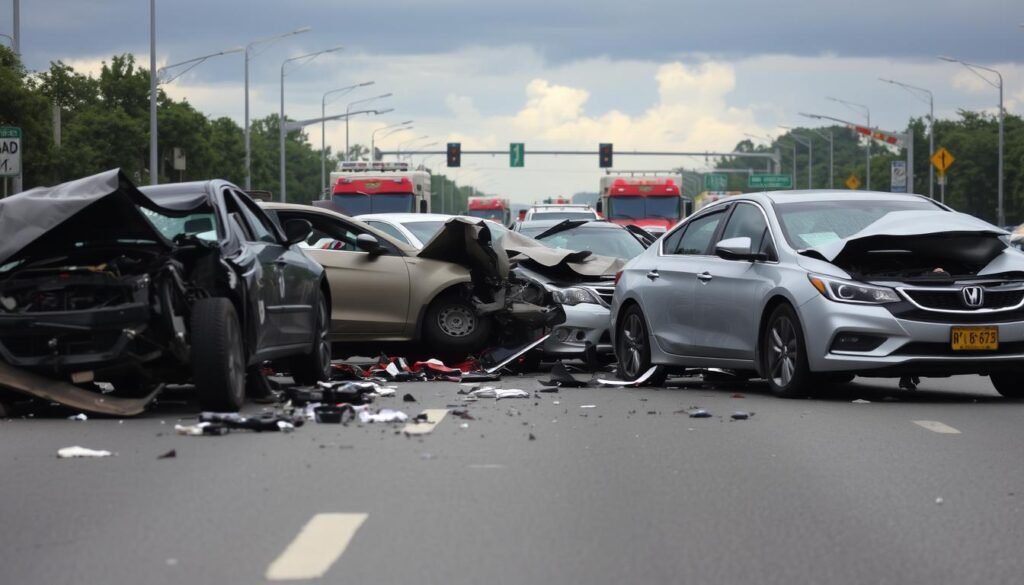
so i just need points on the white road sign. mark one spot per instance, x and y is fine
(10, 152)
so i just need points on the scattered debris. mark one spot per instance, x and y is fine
(203, 428)
(532, 437)
(78, 417)
(740, 415)
(909, 382)
(561, 377)
(861, 401)
(384, 415)
(269, 421)
(699, 413)
(463, 414)
(169, 455)
(424, 422)
(624, 384)
(939, 501)
(408, 398)
(510, 393)
(588, 406)
(334, 414)
(81, 452)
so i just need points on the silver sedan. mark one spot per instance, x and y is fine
(815, 287)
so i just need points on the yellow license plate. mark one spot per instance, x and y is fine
(974, 338)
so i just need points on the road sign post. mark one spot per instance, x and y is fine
(716, 182)
(898, 176)
(770, 182)
(516, 154)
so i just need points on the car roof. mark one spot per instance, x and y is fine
(410, 217)
(329, 212)
(833, 195)
(593, 224)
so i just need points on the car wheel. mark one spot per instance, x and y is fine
(785, 354)
(632, 347)
(315, 366)
(1008, 384)
(453, 330)
(218, 355)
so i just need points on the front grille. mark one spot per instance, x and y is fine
(905, 310)
(953, 300)
(34, 346)
(604, 293)
(931, 349)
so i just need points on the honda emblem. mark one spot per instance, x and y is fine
(974, 296)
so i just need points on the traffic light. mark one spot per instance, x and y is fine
(604, 155)
(454, 154)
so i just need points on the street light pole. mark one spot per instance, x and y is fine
(831, 158)
(407, 125)
(16, 40)
(280, 121)
(810, 153)
(348, 108)
(153, 172)
(323, 127)
(1000, 212)
(248, 49)
(867, 112)
(919, 92)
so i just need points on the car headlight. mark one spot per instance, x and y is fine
(573, 296)
(848, 291)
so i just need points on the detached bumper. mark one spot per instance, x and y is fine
(585, 322)
(907, 347)
(70, 340)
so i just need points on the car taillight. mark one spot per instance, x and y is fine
(618, 275)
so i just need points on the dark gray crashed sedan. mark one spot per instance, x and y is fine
(101, 281)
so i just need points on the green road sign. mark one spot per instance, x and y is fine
(516, 154)
(716, 182)
(770, 182)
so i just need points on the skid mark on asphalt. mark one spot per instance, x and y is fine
(434, 417)
(318, 545)
(937, 427)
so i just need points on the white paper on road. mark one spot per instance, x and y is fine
(624, 383)
(517, 354)
(511, 393)
(76, 451)
(319, 544)
(434, 417)
(386, 415)
(392, 369)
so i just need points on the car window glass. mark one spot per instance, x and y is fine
(697, 237)
(389, 229)
(747, 221)
(672, 241)
(330, 233)
(261, 228)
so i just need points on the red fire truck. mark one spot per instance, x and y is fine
(361, 187)
(652, 202)
(492, 208)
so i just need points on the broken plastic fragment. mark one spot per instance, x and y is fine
(384, 415)
(76, 452)
(203, 428)
(511, 393)
(699, 413)
(408, 398)
(740, 415)
(861, 401)
(624, 383)
(560, 376)
(169, 455)
(588, 406)
(79, 417)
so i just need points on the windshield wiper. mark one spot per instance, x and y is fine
(564, 225)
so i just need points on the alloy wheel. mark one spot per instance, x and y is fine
(783, 351)
(633, 345)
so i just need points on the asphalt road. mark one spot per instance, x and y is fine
(628, 491)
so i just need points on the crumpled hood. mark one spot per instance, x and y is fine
(462, 241)
(47, 220)
(957, 235)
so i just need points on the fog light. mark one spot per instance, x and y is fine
(561, 334)
(856, 342)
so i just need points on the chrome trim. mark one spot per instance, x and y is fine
(902, 290)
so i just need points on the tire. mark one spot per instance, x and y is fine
(218, 355)
(1008, 384)
(315, 366)
(785, 355)
(632, 347)
(452, 329)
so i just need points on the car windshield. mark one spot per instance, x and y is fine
(643, 207)
(546, 215)
(492, 214)
(355, 204)
(809, 224)
(203, 224)
(604, 241)
(425, 230)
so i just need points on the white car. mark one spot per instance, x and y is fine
(560, 211)
(416, 229)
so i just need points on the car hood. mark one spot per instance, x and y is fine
(906, 243)
(104, 207)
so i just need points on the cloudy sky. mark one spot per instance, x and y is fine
(681, 75)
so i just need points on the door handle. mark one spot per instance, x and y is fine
(653, 275)
(704, 277)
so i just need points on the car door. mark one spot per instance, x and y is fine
(668, 297)
(369, 293)
(729, 293)
(297, 291)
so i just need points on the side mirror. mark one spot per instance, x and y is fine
(297, 230)
(737, 249)
(369, 244)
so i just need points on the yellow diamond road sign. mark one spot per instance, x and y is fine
(853, 183)
(942, 159)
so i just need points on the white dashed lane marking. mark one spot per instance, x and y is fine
(318, 545)
(937, 427)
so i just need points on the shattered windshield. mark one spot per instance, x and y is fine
(810, 224)
(614, 242)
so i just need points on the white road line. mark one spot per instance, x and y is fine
(936, 427)
(318, 545)
(434, 416)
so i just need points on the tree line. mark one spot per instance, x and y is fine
(75, 125)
